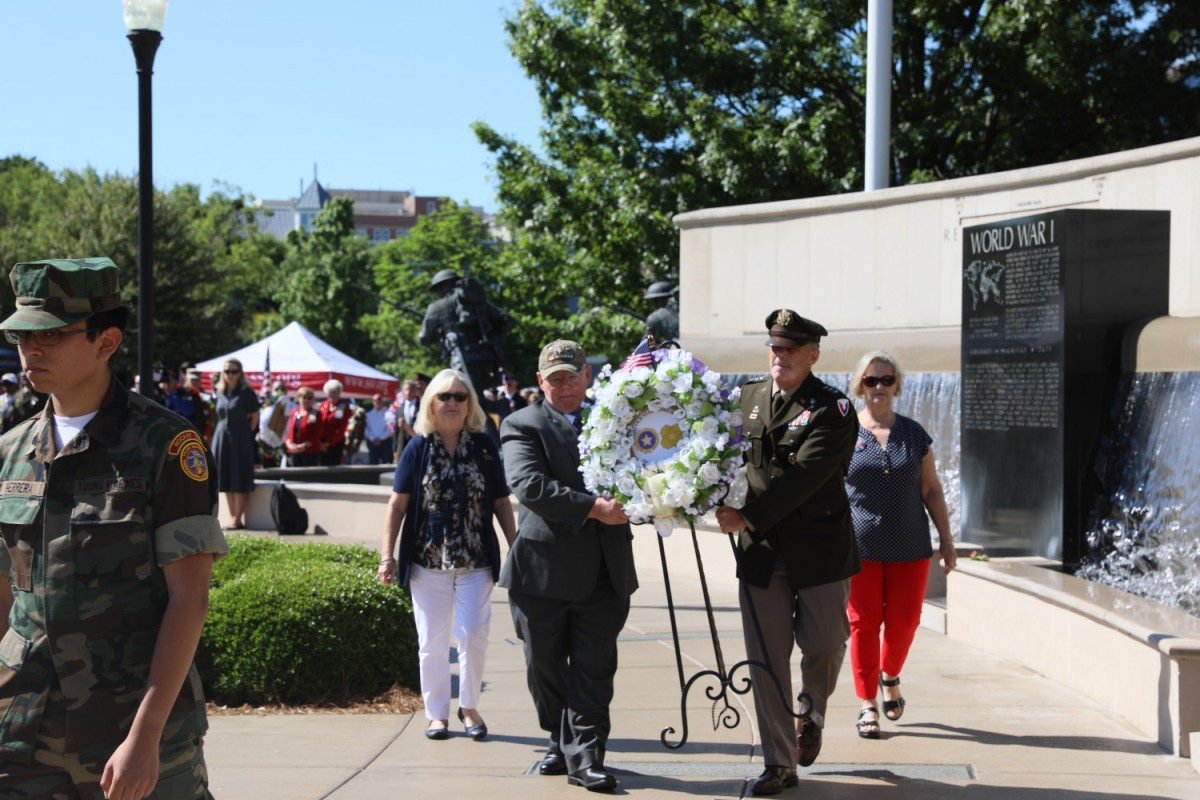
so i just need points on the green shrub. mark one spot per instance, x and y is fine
(304, 623)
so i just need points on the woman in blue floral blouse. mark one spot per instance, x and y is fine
(449, 485)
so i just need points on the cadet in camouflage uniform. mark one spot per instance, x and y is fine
(109, 537)
(796, 542)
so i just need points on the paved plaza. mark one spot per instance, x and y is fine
(976, 726)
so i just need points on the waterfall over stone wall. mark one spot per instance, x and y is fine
(1143, 537)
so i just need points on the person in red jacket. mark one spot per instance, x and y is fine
(304, 440)
(335, 414)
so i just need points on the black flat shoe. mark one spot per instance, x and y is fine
(438, 733)
(476, 732)
(594, 779)
(553, 764)
(892, 709)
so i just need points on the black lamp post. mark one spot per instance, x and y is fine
(144, 20)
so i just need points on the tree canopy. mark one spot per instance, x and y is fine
(655, 107)
(199, 293)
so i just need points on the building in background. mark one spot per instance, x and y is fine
(380, 215)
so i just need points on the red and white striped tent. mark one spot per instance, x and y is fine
(298, 358)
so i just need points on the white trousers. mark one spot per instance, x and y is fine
(446, 599)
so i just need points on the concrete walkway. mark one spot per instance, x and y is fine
(975, 727)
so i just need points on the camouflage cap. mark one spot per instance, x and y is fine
(61, 291)
(560, 355)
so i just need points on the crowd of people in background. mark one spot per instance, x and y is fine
(291, 426)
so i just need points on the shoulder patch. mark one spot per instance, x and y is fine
(193, 461)
(182, 439)
(843, 406)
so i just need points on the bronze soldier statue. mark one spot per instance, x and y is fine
(468, 326)
(663, 322)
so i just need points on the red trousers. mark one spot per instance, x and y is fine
(885, 595)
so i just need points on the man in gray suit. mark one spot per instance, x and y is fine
(569, 574)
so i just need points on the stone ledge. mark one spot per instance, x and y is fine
(1133, 655)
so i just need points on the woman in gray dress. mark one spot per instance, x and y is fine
(233, 441)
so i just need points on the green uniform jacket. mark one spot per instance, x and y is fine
(86, 532)
(796, 467)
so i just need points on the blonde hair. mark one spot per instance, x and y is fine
(856, 377)
(305, 391)
(223, 384)
(442, 383)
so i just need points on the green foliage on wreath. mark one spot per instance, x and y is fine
(304, 623)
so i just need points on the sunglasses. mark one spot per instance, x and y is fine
(458, 397)
(885, 380)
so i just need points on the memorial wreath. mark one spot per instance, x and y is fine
(664, 438)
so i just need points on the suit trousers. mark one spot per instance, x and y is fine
(571, 659)
(445, 599)
(814, 619)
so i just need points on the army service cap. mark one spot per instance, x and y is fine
(560, 355)
(786, 328)
(61, 291)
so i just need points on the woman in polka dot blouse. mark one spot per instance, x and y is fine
(891, 484)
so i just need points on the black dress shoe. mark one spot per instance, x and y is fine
(594, 779)
(774, 780)
(553, 764)
(808, 743)
(476, 732)
(438, 733)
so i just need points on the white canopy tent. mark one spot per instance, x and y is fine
(298, 358)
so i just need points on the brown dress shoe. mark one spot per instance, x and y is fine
(808, 742)
(774, 780)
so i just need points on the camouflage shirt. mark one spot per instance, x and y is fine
(86, 533)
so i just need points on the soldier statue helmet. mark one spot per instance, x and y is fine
(660, 289)
(444, 281)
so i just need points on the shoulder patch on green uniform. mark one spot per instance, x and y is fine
(193, 461)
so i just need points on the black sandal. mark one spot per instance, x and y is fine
(892, 709)
(864, 725)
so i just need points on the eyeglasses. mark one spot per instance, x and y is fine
(233, 372)
(41, 338)
(458, 397)
(884, 380)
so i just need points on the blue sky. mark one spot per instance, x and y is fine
(379, 94)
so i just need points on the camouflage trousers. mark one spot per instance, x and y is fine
(54, 774)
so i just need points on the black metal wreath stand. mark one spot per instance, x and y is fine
(723, 712)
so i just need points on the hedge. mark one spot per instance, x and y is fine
(304, 623)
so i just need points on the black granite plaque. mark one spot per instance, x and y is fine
(1046, 302)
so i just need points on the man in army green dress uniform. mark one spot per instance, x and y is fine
(796, 542)
(106, 510)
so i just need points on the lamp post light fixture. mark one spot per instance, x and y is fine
(144, 19)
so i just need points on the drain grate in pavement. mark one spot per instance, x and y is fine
(740, 769)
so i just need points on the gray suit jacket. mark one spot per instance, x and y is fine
(558, 551)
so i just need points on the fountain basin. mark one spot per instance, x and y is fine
(1135, 656)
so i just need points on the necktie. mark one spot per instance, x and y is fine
(777, 402)
(577, 423)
